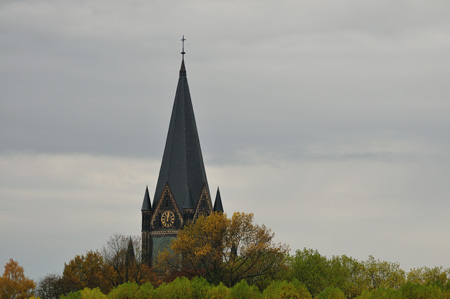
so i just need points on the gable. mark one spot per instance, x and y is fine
(166, 203)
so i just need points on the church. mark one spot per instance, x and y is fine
(182, 192)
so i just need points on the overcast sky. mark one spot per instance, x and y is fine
(330, 120)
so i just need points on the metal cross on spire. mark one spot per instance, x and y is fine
(182, 51)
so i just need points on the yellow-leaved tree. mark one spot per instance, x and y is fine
(13, 283)
(87, 271)
(223, 249)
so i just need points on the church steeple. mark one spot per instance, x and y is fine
(182, 192)
(182, 166)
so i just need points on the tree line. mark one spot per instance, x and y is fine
(221, 257)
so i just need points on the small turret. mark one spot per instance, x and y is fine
(146, 205)
(218, 202)
(146, 227)
(146, 211)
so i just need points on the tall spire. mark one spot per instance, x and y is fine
(182, 166)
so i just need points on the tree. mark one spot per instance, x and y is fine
(87, 271)
(13, 283)
(311, 269)
(51, 287)
(224, 250)
(348, 275)
(283, 289)
(345, 273)
(179, 288)
(217, 292)
(331, 293)
(125, 290)
(85, 293)
(123, 254)
(383, 274)
(242, 290)
(417, 291)
(383, 293)
(425, 275)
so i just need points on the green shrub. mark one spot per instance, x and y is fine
(417, 291)
(72, 295)
(331, 293)
(382, 293)
(199, 287)
(86, 293)
(217, 292)
(145, 291)
(127, 290)
(284, 289)
(92, 294)
(180, 288)
(243, 291)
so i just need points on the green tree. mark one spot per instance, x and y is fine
(348, 275)
(285, 290)
(217, 292)
(146, 291)
(124, 291)
(72, 295)
(425, 275)
(311, 269)
(13, 283)
(417, 291)
(224, 250)
(383, 274)
(382, 293)
(95, 293)
(199, 287)
(242, 290)
(180, 288)
(331, 293)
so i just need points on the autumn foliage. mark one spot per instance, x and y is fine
(227, 258)
(117, 264)
(88, 271)
(13, 283)
(225, 250)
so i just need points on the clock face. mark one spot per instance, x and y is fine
(167, 219)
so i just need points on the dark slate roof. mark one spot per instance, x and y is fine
(190, 203)
(182, 164)
(146, 206)
(218, 202)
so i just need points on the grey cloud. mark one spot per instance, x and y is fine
(341, 105)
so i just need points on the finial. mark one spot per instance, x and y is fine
(182, 69)
(182, 51)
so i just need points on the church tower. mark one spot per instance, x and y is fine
(182, 191)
